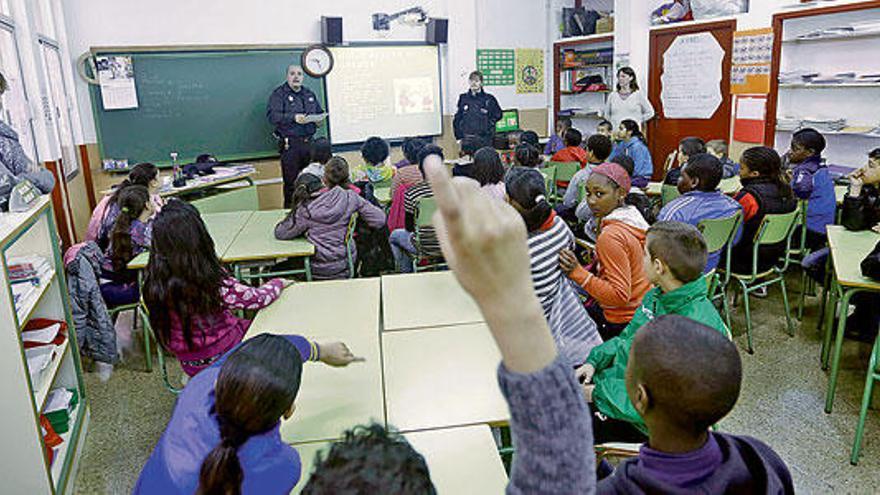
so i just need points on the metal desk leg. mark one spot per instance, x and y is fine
(838, 344)
(141, 312)
(830, 313)
(308, 265)
(826, 286)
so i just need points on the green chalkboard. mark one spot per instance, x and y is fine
(198, 102)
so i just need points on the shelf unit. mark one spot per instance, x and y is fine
(831, 54)
(590, 103)
(26, 468)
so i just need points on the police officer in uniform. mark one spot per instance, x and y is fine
(288, 107)
(477, 112)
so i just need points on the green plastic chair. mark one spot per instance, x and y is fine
(719, 234)
(668, 193)
(873, 375)
(424, 218)
(582, 192)
(775, 228)
(160, 353)
(349, 244)
(563, 172)
(798, 254)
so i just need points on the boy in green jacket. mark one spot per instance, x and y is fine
(675, 255)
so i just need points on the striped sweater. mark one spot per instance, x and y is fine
(573, 330)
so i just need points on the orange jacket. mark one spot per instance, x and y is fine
(620, 282)
(571, 154)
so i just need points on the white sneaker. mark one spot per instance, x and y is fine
(104, 371)
(760, 292)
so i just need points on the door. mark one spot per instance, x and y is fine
(665, 133)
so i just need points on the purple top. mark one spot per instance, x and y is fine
(553, 145)
(682, 470)
(402, 163)
(270, 466)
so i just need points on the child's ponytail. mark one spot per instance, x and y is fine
(221, 470)
(526, 187)
(633, 127)
(132, 201)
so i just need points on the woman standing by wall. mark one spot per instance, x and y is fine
(628, 102)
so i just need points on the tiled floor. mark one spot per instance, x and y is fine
(781, 403)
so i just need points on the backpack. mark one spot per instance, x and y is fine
(374, 250)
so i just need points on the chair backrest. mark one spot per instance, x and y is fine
(349, 243)
(777, 227)
(549, 186)
(565, 170)
(719, 231)
(582, 191)
(427, 207)
(668, 193)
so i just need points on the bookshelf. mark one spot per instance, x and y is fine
(574, 59)
(831, 41)
(26, 468)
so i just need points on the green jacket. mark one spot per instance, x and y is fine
(610, 358)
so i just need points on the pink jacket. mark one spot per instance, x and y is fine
(213, 335)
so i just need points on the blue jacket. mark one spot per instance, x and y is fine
(269, 464)
(694, 207)
(636, 149)
(285, 103)
(811, 181)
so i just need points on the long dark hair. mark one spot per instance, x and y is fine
(487, 167)
(183, 275)
(132, 200)
(767, 163)
(257, 384)
(634, 85)
(633, 127)
(527, 155)
(141, 174)
(526, 187)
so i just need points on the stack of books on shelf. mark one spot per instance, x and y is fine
(855, 29)
(807, 77)
(56, 419)
(574, 59)
(25, 275)
(42, 339)
(824, 125)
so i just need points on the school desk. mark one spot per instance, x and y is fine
(728, 186)
(256, 247)
(331, 400)
(430, 299)
(441, 377)
(462, 461)
(848, 249)
(222, 227)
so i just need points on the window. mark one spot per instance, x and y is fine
(59, 105)
(45, 19)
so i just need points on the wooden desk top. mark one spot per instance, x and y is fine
(848, 249)
(428, 299)
(441, 377)
(331, 400)
(462, 461)
(256, 241)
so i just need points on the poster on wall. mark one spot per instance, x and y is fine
(752, 54)
(116, 77)
(497, 66)
(529, 70)
(691, 79)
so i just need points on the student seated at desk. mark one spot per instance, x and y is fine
(320, 151)
(616, 281)
(598, 150)
(487, 250)
(575, 333)
(467, 149)
(106, 211)
(678, 159)
(719, 149)
(666, 382)
(631, 142)
(764, 191)
(190, 296)
(403, 244)
(636, 197)
(408, 172)
(811, 181)
(129, 237)
(572, 151)
(489, 172)
(860, 211)
(556, 142)
(224, 435)
(701, 200)
(375, 152)
(324, 217)
(674, 257)
(526, 155)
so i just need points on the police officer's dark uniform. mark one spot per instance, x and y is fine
(283, 105)
(476, 116)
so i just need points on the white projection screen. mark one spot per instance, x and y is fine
(387, 91)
